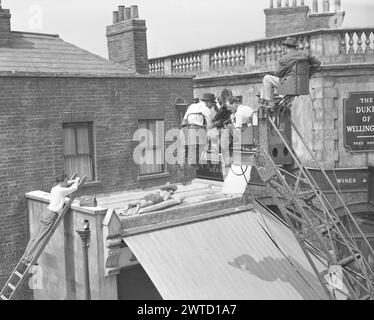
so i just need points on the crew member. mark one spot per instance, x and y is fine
(241, 115)
(198, 119)
(292, 55)
(62, 189)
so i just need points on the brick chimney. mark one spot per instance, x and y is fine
(327, 19)
(5, 34)
(291, 17)
(127, 40)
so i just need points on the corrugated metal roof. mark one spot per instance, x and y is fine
(42, 53)
(225, 258)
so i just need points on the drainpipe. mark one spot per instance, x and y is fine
(85, 233)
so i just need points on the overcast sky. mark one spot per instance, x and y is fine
(173, 25)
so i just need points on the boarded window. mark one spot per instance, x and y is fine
(155, 148)
(78, 149)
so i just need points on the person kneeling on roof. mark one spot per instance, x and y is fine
(286, 63)
(62, 189)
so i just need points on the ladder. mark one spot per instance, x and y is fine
(311, 217)
(20, 272)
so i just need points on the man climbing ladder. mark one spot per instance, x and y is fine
(49, 222)
(62, 189)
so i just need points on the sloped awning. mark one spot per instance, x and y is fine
(228, 257)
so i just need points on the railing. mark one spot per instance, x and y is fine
(186, 63)
(157, 66)
(331, 46)
(356, 42)
(227, 57)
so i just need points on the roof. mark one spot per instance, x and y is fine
(44, 53)
(228, 257)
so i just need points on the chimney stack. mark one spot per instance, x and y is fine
(287, 19)
(127, 40)
(5, 32)
(326, 19)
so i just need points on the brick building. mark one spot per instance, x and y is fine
(63, 108)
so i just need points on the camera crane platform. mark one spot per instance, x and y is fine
(306, 209)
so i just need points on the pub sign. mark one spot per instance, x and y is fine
(359, 122)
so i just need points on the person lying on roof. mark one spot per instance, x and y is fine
(285, 69)
(163, 194)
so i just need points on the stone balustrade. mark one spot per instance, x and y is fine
(157, 66)
(227, 57)
(336, 46)
(186, 63)
(356, 42)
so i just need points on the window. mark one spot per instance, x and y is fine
(155, 149)
(78, 149)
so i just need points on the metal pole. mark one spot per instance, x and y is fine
(84, 234)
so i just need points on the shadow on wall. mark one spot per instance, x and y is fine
(270, 269)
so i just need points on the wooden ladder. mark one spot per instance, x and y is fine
(20, 272)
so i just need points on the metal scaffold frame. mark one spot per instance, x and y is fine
(309, 214)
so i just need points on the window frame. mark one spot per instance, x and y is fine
(91, 154)
(154, 148)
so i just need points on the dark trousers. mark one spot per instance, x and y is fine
(46, 222)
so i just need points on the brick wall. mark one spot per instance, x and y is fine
(281, 21)
(31, 137)
(325, 20)
(289, 20)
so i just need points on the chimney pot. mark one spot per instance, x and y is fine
(337, 5)
(279, 3)
(294, 3)
(315, 5)
(134, 12)
(302, 3)
(326, 5)
(115, 17)
(127, 13)
(121, 13)
(287, 3)
(271, 4)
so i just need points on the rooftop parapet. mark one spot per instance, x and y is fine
(337, 46)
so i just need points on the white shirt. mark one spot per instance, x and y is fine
(58, 195)
(192, 116)
(243, 115)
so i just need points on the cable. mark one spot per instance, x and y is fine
(242, 174)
